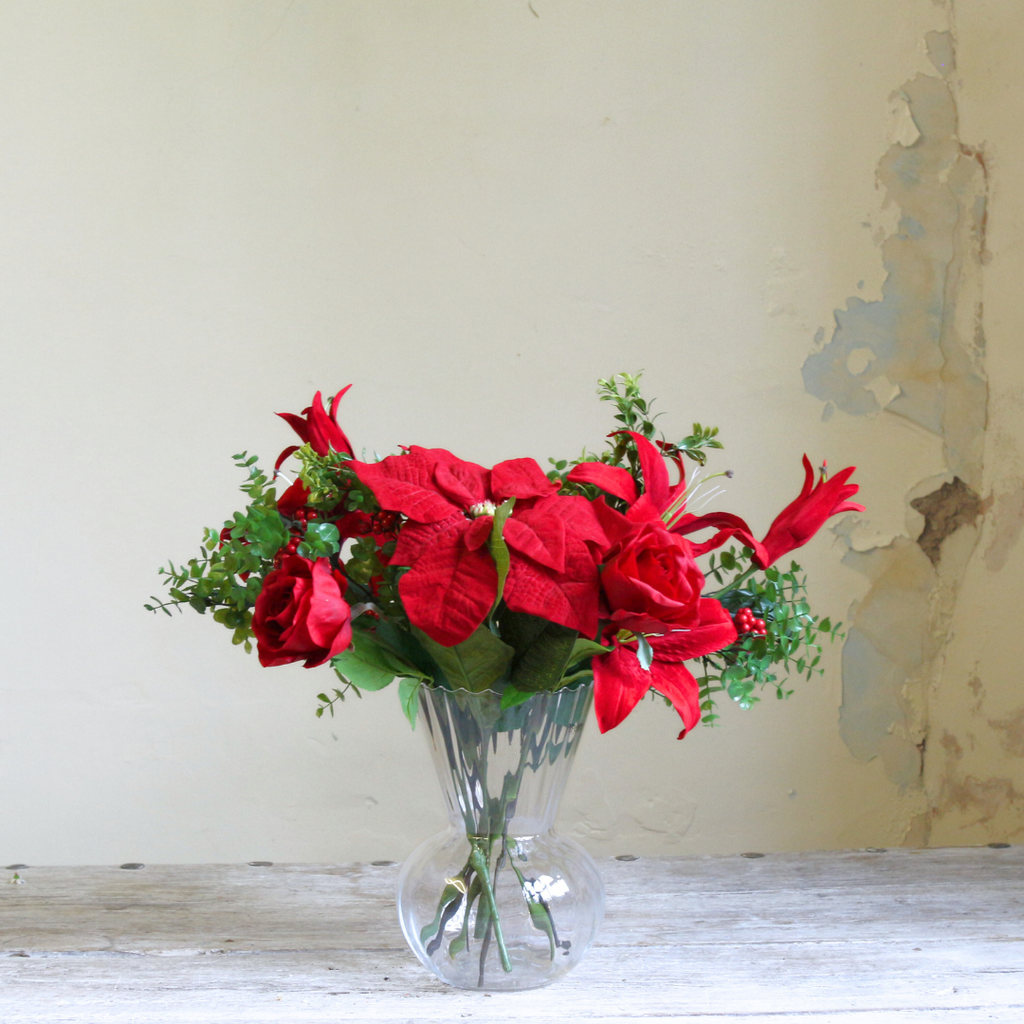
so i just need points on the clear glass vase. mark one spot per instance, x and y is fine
(498, 901)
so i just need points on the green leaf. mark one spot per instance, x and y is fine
(541, 665)
(583, 647)
(408, 695)
(498, 547)
(513, 696)
(476, 664)
(352, 668)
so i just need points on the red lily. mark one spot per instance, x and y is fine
(317, 428)
(793, 527)
(452, 581)
(801, 519)
(620, 681)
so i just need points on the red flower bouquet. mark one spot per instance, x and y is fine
(442, 572)
(505, 585)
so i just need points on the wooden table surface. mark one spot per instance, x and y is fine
(856, 937)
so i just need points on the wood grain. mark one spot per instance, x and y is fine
(898, 936)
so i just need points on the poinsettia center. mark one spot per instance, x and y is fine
(482, 508)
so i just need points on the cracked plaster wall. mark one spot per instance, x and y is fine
(930, 688)
(472, 211)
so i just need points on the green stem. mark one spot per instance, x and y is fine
(479, 862)
(733, 584)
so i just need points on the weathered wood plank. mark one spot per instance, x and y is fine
(896, 936)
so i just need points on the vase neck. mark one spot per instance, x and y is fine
(502, 772)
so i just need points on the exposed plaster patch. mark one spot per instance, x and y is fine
(1013, 728)
(887, 651)
(1007, 522)
(992, 803)
(953, 505)
(980, 801)
(941, 51)
(974, 684)
(916, 352)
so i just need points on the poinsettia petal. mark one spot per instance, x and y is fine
(569, 598)
(463, 483)
(405, 483)
(520, 478)
(615, 480)
(450, 589)
(415, 538)
(479, 532)
(579, 515)
(539, 536)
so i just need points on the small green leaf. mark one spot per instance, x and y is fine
(583, 648)
(408, 695)
(513, 696)
(499, 549)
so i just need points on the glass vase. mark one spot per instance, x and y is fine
(498, 901)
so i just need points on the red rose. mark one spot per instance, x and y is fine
(651, 582)
(302, 613)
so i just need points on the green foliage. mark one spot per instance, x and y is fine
(227, 575)
(478, 663)
(327, 477)
(634, 414)
(321, 540)
(623, 390)
(792, 643)
(499, 549)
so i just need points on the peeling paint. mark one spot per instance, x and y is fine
(916, 353)
(953, 505)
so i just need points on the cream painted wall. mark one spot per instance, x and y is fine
(470, 211)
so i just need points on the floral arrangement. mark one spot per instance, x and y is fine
(435, 571)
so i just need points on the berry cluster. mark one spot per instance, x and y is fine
(302, 517)
(746, 623)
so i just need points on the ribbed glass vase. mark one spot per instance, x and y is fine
(498, 901)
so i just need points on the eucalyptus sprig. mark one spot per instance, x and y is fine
(793, 636)
(634, 414)
(227, 575)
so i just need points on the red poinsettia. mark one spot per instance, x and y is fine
(318, 428)
(452, 582)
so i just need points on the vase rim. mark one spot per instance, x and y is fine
(571, 688)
